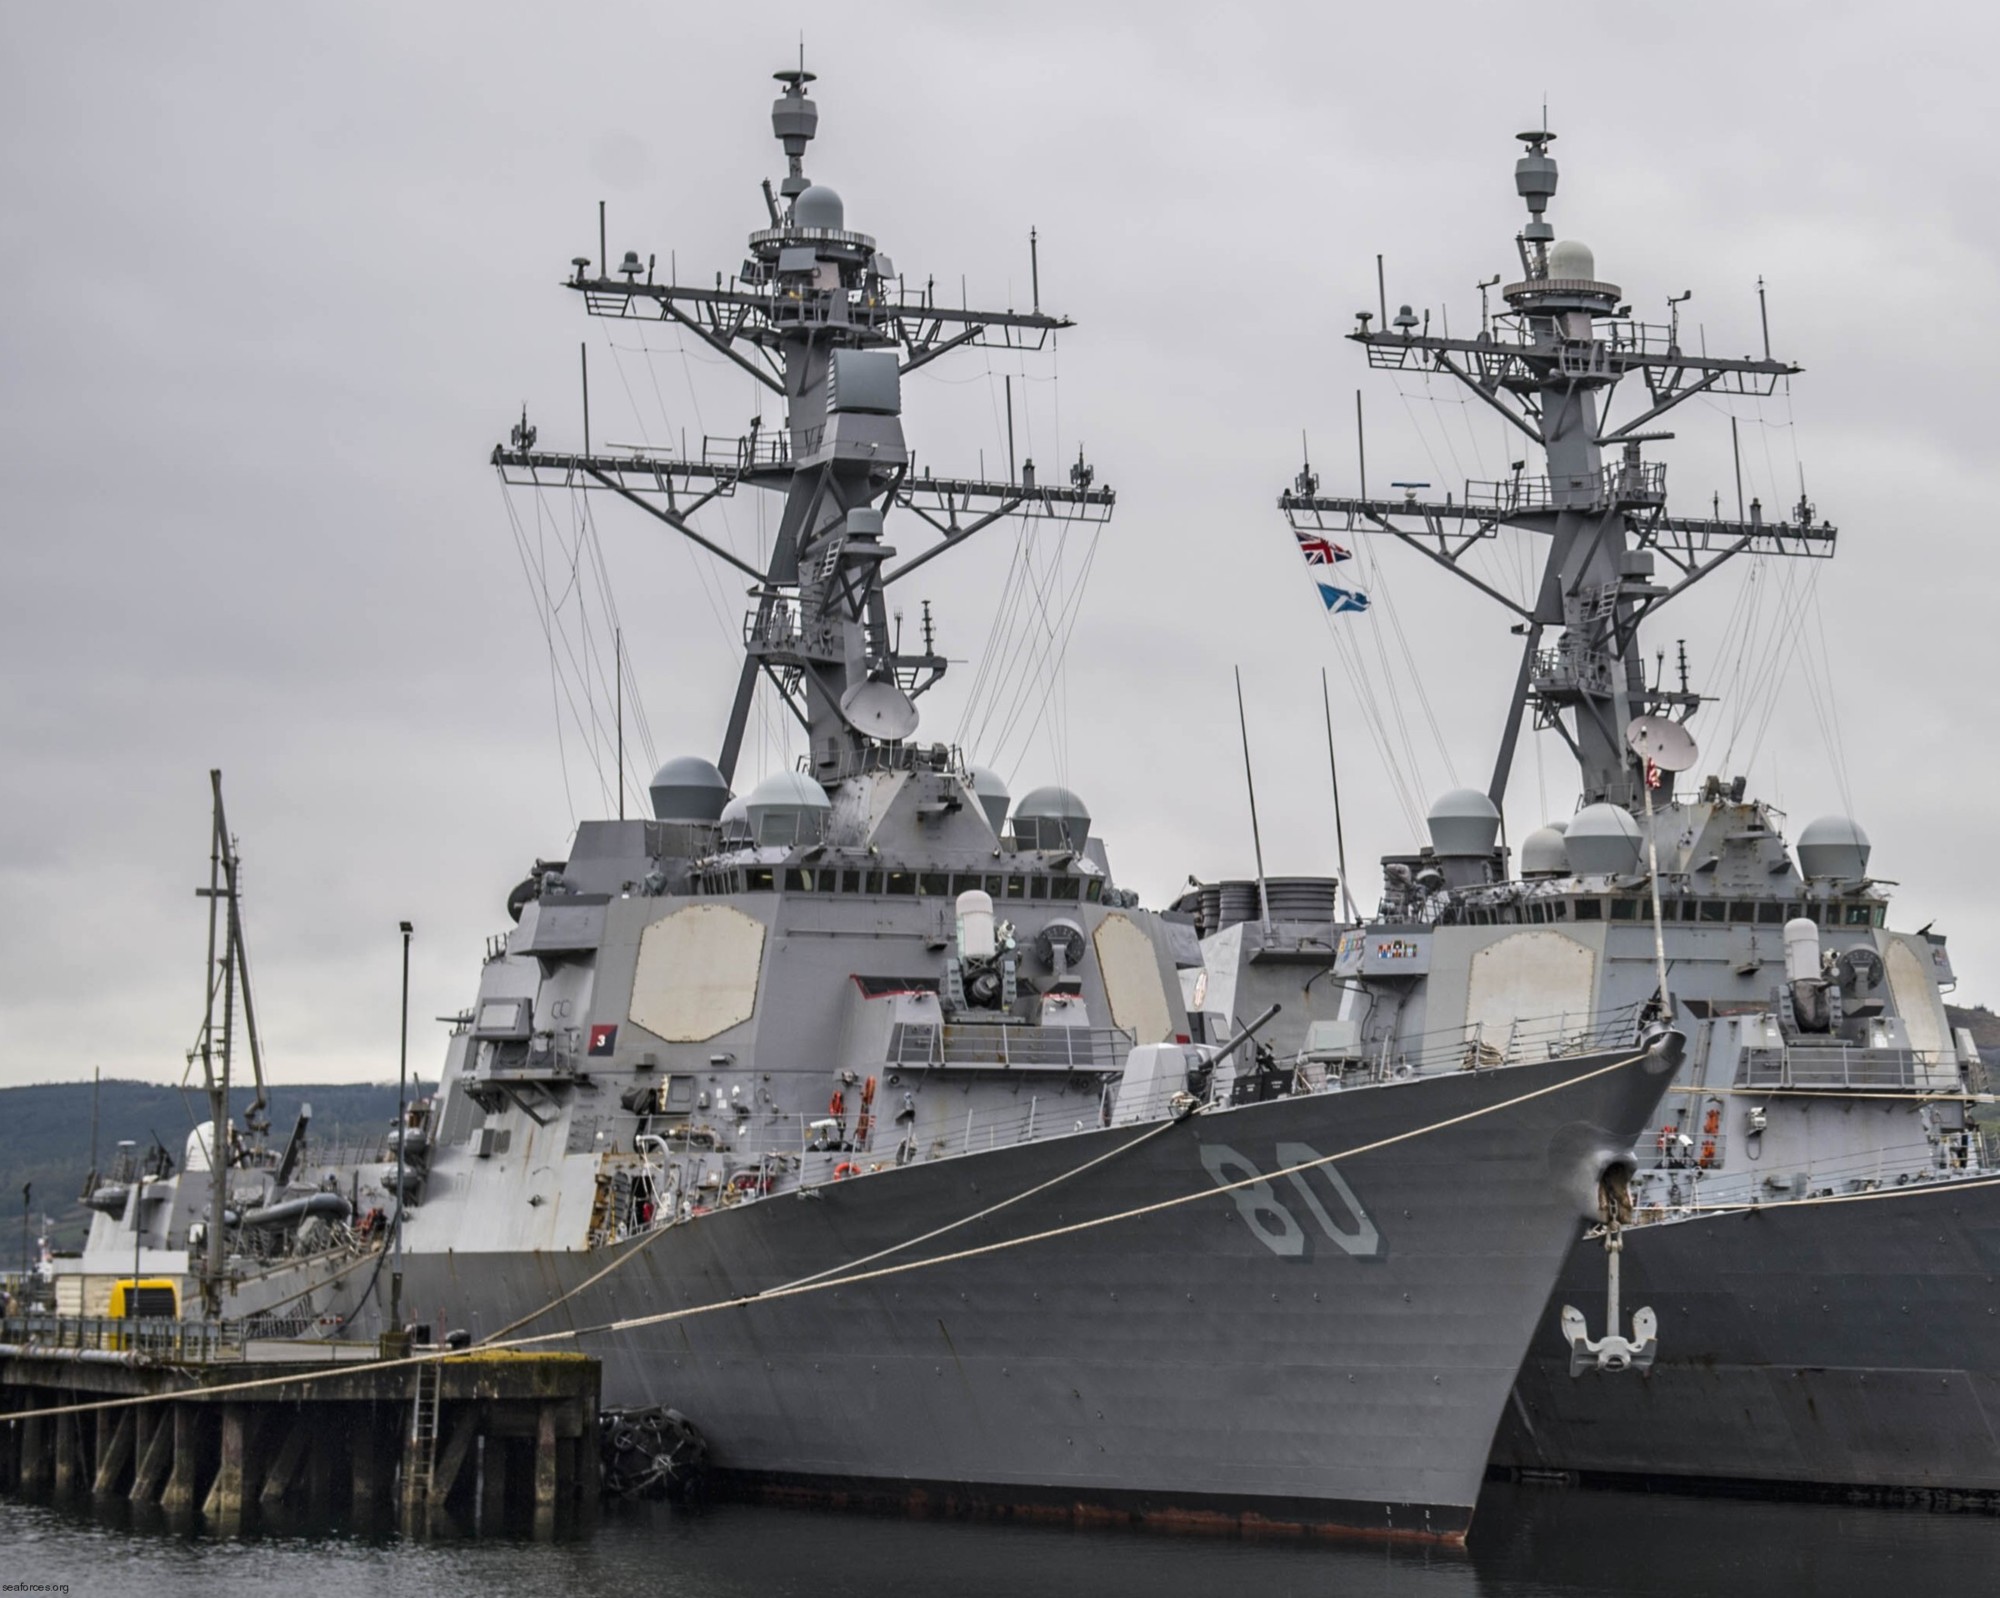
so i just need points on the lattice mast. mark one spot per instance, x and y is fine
(1550, 364)
(818, 315)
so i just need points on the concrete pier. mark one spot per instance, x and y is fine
(472, 1443)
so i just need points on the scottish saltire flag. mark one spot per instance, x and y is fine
(1319, 551)
(1339, 599)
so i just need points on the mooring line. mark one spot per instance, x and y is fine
(317, 1374)
(493, 1340)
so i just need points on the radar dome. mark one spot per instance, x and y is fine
(819, 207)
(1544, 853)
(1569, 261)
(992, 795)
(1464, 822)
(688, 788)
(1602, 841)
(1834, 846)
(735, 820)
(1051, 818)
(787, 808)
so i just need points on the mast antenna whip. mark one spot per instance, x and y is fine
(1250, 782)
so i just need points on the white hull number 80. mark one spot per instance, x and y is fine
(1274, 1221)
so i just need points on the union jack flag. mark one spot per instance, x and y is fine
(1319, 551)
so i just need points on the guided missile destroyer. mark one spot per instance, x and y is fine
(859, 1118)
(1817, 1236)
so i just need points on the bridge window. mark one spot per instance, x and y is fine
(1589, 910)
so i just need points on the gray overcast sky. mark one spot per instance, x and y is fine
(279, 276)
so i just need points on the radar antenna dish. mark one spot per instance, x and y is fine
(879, 710)
(1667, 744)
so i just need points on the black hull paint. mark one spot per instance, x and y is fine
(1850, 1346)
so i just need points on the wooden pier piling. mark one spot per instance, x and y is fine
(452, 1443)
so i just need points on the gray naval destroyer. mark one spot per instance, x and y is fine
(859, 1118)
(1815, 1233)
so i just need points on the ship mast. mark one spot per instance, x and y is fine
(230, 975)
(820, 317)
(1550, 364)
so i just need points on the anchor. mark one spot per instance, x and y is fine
(1612, 1352)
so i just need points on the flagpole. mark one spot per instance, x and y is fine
(402, 1140)
(1647, 777)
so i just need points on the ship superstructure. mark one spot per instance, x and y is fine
(1814, 1172)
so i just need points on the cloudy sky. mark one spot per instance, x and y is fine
(279, 277)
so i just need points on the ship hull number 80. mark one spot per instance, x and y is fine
(1291, 1212)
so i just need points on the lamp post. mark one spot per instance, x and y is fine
(128, 1161)
(402, 1137)
(27, 1197)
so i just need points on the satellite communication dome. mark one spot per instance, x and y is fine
(1569, 261)
(688, 788)
(1464, 822)
(787, 808)
(819, 207)
(735, 820)
(992, 795)
(1544, 854)
(1602, 841)
(1834, 846)
(1051, 818)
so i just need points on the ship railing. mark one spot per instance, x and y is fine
(892, 757)
(1003, 1048)
(748, 451)
(1486, 1045)
(780, 624)
(348, 1154)
(1684, 1189)
(162, 1340)
(1573, 668)
(1837, 1065)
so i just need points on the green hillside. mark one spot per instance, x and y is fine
(45, 1137)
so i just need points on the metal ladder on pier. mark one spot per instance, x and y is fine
(420, 1460)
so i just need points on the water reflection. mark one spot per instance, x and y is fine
(1528, 1543)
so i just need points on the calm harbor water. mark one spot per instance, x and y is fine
(1529, 1542)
